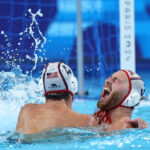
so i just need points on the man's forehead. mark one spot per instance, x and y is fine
(120, 74)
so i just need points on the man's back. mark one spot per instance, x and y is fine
(36, 118)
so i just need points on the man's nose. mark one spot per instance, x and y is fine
(108, 81)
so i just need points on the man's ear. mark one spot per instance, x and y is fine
(143, 97)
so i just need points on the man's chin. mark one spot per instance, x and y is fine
(112, 101)
(106, 103)
(102, 103)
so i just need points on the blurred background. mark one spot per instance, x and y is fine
(34, 32)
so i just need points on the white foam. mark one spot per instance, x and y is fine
(16, 91)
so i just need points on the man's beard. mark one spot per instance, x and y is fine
(113, 100)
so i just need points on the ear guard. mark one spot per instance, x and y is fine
(136, 89)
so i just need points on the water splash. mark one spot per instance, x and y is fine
(17, 90)
(38, 37)
(37, 41)
(3, 33)
(10, 55)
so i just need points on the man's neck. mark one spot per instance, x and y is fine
(120, 113)
(59, 103)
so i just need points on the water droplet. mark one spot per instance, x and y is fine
(29, 10)
(2, 32)
(21, 33)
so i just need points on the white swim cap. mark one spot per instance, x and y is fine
(58, 77)
(136, 90)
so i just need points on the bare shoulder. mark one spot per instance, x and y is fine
(87, 120)
(24, 114)
(91, 119)
(28, 106)
(26, 109)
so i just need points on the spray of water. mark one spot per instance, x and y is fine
(39, 41)
(18, 89)
(10, 55)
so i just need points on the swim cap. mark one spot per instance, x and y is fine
(58, 77)
(136, 90)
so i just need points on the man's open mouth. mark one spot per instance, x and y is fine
(106, 92)
(105, 95)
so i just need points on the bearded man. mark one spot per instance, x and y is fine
(121, 93)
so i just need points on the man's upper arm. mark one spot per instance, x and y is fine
(21, 117)
(89, 120)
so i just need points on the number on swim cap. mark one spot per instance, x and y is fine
(68, 71)
(142, 91)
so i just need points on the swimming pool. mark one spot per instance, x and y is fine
(18, 89)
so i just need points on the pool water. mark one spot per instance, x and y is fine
(18, 89)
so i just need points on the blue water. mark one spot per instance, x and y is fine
(18, 89)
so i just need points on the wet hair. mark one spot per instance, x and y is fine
(57, 96)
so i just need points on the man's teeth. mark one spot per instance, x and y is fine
(106, 89)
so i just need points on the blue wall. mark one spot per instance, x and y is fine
(58, 24)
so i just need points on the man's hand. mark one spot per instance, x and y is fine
(138, 123)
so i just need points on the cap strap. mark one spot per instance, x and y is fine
(103, 116)
(130, 87)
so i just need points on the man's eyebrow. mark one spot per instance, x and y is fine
(116, 78)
